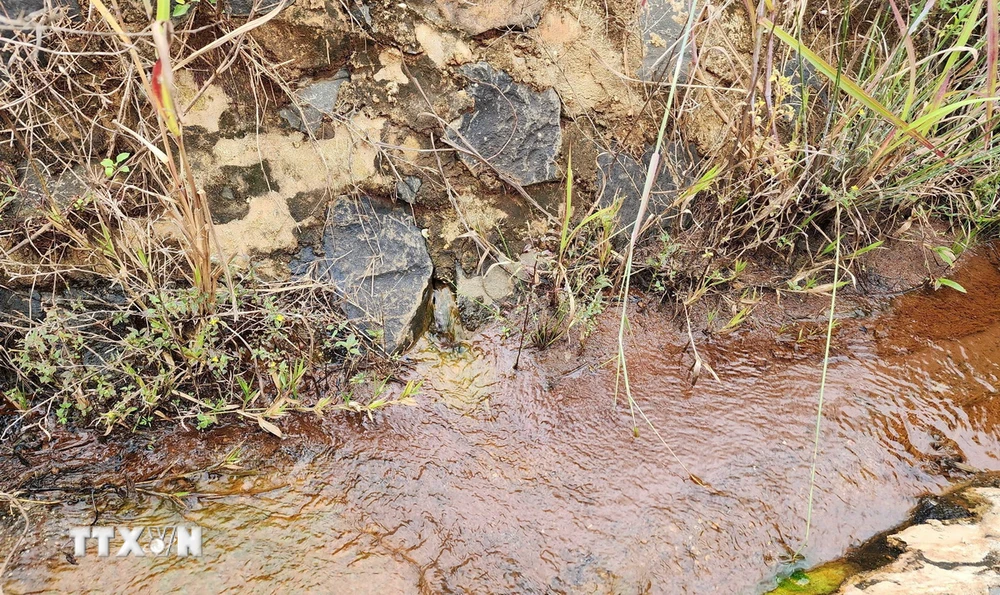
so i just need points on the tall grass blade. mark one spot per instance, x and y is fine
(850, 87)
(992, 43)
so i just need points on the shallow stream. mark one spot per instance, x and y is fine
(498, 481)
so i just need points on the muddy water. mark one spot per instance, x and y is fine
(498, 482)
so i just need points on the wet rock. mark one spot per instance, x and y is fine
(621, 177)
(512, 126)
(479, 17)
(407, 188)
(318, 99)
(479, 296)
(376, 256)
(445, 319)
(953, 556)
(490, 288)
(245, 8)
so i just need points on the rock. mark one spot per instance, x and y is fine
(317, 99)
(955, 557)
(479, 17)
(307, 37)
(446, 323)
(619, 176)
(25, 303)
(245, 8)
(32, 198)
(407, 188)
(512, 126)
(801, 74)
(19, 9)
(661, 25)
(490, 288)
(376, 256)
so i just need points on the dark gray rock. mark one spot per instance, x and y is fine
(21, 303)
(512, 126)
(33, 196)
(362, 13)
(317, 99)
(621, 177)
(25, 16)
(377, 258)
(20, 9)
(802, 76)
(245, 8)
(407, 189)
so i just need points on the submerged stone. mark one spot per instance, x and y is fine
(318, 99)
(377, 258)
(513, 127)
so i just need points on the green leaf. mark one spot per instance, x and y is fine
(181, 10)
(124, 169)
(866, 249)
(945, 254)
(122, 157)
(942, 282)
(850, 87)
(107, 163)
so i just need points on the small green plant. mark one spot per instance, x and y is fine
(350, 344)
(182, 7)
(62, 412)
(17, 398)
(942, 282)
(113, 168)
(378, 401)
(205, 420)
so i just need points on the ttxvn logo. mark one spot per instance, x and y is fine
(186, 541)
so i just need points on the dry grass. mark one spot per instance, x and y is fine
(120, 324)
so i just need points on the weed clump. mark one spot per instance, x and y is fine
(119, 306)
(113, 360)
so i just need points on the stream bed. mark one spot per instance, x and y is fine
(532, 481)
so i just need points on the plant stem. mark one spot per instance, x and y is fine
(822, 384)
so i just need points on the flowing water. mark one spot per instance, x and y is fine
(498, 481)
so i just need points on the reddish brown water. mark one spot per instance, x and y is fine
(499, 482)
